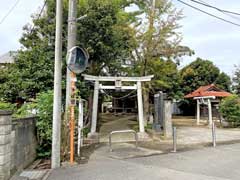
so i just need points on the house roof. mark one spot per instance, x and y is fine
(210, 90)
(7, 58)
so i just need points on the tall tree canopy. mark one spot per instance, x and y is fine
(203, 72)
(105, 33)
(158, 47)
(32, 71)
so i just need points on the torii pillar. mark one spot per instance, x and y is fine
(140, 107)
(209, 104)
(95, 108)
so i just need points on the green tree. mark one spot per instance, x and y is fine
(224, 82)
(166, 77)
(32, 71)
(201, 73)
(230, 109)
(158, 46)
(106, 34)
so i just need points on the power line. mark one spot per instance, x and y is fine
(39, 15)
(232, 15)
(214, 7)
(42, 9)
(9, 12)
(222, 19)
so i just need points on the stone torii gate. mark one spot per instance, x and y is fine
(118, 85)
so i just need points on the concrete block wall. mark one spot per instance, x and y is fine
(5, 144)
(23, 143)
(18, 144)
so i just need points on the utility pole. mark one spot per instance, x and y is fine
(72, 36)
(70, 84)
(56, 134)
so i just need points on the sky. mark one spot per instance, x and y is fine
(11, 28)
(210, 38)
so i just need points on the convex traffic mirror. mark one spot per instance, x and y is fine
(77, 59)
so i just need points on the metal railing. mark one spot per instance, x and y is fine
(122, 131)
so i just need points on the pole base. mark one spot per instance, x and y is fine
(93, 137)
(143, 136)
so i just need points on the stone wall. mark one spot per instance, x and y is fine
(17, 144)
(5, 144)
(23, 143)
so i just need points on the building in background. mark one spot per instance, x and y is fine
(209, 91)
(7, 58)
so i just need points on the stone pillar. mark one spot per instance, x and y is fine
(140, 107)
(198, 111)
(167, 120)
(156, 122)
(210, 113)
(159, 111)
(5, 144)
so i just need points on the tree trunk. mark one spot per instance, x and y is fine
(148, 56)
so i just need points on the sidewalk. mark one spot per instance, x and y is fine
(219, 163)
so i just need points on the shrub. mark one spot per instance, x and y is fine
(86, 130)
(230, 109)
(6, 106)
(44, 106)
(26, 110)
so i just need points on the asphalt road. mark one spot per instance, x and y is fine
(218, 163)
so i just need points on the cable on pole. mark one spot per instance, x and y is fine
(214, 7)
(226, 12)
(39, 15)
(42, 9)
(10, 11)
(222, 19)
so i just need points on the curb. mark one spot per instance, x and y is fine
(45, 177)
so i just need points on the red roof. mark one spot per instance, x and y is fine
(210, 90)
